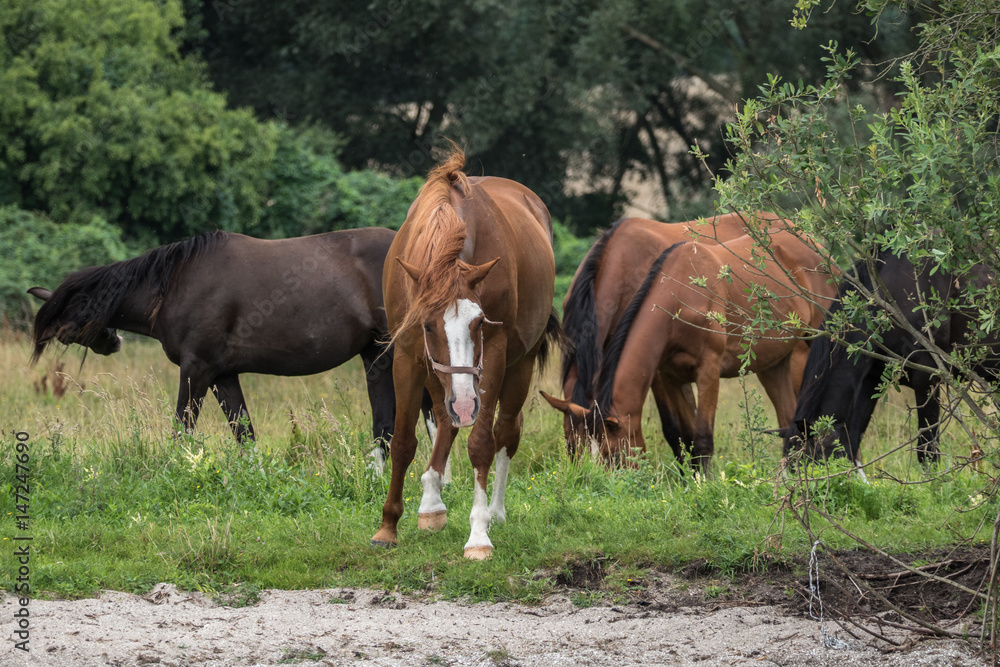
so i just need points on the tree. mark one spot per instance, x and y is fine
(570, 97)
(101, 115)
(922, 180)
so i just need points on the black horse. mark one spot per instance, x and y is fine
(843, 385)
(222, 304)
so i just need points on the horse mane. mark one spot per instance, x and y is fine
(825, 354)
(436, 241)
(606, 379)
(100, 290)
(580, 322)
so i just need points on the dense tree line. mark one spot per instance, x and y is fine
(540, 92)
(168, 118)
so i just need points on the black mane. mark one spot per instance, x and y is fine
(100, 290)
(824, 354)
(580, 322)
(606, 380)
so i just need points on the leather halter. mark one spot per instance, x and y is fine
(476, 371)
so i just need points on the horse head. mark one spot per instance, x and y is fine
(605, 434)
(453, 342)
(67, 319)
(578, 437)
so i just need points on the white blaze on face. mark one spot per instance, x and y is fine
(462, 351)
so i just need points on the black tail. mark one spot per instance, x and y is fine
(553, 334)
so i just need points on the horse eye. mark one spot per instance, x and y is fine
(428, 329)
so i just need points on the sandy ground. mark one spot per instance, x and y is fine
(368, 627)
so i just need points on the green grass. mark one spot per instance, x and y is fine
(116, 503)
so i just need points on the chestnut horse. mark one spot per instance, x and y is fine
(604, 284)
(691, 320)
(468, 285)
(223, 304)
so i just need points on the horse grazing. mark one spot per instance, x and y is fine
(844, 386)
(223, 304)
(690, 321)
(468, 285)
(604, 284)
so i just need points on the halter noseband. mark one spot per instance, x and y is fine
(476, 371)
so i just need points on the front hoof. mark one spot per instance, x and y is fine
(384, 539)
(478, 553)
(432, 520)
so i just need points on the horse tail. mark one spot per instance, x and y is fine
(581, 347)
(553, 335)
(606, 379)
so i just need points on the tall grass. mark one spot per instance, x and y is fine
(117, 502)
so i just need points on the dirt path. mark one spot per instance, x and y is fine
(367, 627)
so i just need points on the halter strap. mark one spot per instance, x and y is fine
(476, 371)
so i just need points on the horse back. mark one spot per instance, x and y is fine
(317, 300)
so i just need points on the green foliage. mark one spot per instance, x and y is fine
(34, 251)
(569, 252)
(567, 97)
(102, 115)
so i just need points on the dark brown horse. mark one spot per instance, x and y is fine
(224, 304)
(690, 321)
(468, 291)
(604, 285)
(845, 386)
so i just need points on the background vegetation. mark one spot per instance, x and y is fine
(125, 124)
(117, 503)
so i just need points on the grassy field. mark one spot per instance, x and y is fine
(115, 502)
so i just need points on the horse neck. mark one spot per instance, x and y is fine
(133, 314)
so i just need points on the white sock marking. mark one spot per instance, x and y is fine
(479, 519)
(497, 510)
(431, 499)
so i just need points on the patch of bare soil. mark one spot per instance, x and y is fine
(688, 618)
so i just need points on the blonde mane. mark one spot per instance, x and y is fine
(436, 241)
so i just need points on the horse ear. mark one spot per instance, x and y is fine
(566, 406)
(411, 270)
(475, 274)
(40, 293)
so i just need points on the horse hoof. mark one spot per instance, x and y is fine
(478, 553)
(382, 544)
(432, 520)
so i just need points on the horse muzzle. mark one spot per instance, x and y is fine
(463, 411)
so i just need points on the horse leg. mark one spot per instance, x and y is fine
(430, 423)
(378, 378)
(433, 515)
(703, 443)
(230, 396)
(681, 399)
(483, 448)
(507, 431)
(928, 416)
(671, 427)
(779, 385)
(408, 382)
(193, 387)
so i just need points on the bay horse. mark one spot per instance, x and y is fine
(468, 284)
(222, 304)
(691, 320)
(844, 386)
(601, 290)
